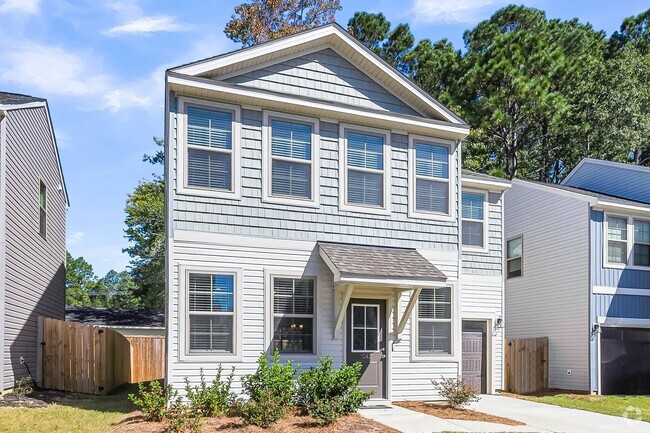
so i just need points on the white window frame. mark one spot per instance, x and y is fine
(343, 169)
(184, 313)
(267, 159)
(412, 207)
(486, 212)
(456, 331)
(634, 241)
(630, 242)
(521, 257)
(182, 185)
(269, 275)
(375, 306)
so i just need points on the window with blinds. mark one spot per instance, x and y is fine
(211, 312)
(42, 219)
(617, 240)
(209, 148)
(434, 321)
(293, 315)
(291, 159)
(365, 169)
(431, 178)
(472, 219)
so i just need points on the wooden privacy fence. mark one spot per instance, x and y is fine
(526, 365)
(94, 360)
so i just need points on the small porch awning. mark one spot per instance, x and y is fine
(383, 268)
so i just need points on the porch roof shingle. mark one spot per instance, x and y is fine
(386, 262)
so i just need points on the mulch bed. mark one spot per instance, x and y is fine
(295, 423)
(35, 399)
(442, 410)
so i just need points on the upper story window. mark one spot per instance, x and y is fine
(641, 243)
(42, 201)
(293, 315)
(473, 217)
(366, 169)
(514, 257)
(627, 241)
(434, 321)
(430, 186)
(616, 240)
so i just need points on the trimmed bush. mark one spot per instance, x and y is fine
(456, 391)
(328, 394)
(214, 399)
(152, 400)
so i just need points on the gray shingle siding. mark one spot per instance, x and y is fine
(489, 262)
(35, 267)
(327, 76)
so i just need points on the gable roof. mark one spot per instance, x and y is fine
(328, 36)
(16, 101)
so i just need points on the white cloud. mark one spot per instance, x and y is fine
(454, 11)
(31, 7)
(74, 239)
(150, 24)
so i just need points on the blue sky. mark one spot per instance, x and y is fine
(101, 63)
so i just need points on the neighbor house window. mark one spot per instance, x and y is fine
(42, 200)
(473, 219)
(291, 159)
(365, 169)
(515, 249)
(617, 240)
(209, 148)
(434, 321)
(641, 243)
(293, 315)
(211, 302)
(431, 178)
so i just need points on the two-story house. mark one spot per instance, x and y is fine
(315, 206)
(578, 272)
(33, 205)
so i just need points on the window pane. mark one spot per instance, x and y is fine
(293, 334)
(365, 151)
(209, 169)
(42, 222)
(291, 179)
(431, 160)
(42, 197)
(515, 248)
(434, 337)
(642, 232)
(472, 233)
(642, 255)
(473, 206)
(211, 333)
(616, 228)
(514, 267)
(291, 296)
(371, 317)
(365, 188)
(211, 293)
(358, 316)
(371, 339)
(431, 196)
(291, 140)
(209, 128)
(435, 303)
(358, 339)
(617, 252)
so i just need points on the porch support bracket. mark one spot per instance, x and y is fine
(344, 306)
(409, 308)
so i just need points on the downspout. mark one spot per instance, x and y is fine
(3, 199)
(458, 340)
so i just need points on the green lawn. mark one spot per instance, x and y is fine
(71, 414)
(635, 406)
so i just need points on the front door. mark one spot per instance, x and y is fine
(366, 343)
(474, 355)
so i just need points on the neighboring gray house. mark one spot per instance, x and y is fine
(127, 321)
(579, 273)
(315, 206)
(33, 205)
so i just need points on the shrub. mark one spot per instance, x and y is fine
(456, 391)
(24, 386)
(213, 399)
(270, 391)
(327, 394)
(152, 400)
(182, 418)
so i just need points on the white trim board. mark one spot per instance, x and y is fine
(625, 291)
(624, 322)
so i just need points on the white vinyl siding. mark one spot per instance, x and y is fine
(514, 257)
(293, 315)
(434, 321)
(473, 219)
(211, 299)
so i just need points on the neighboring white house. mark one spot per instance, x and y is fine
(315, 206)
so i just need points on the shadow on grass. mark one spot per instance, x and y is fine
(116, 401)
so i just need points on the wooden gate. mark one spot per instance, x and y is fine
(526, 365)
(93, 360)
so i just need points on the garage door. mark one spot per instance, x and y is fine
(625, 368)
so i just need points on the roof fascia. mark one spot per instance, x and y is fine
(485, 184)
(613, 206)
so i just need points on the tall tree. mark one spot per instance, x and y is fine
(81, 283)
(260, 21)
(145, 231)
(634, 32)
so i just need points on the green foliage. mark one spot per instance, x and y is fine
(24, 386)
(270, 390)
(456, 391)
(214, 399)
(258, 21)
(152, 400)
(182, 418)
(328, 394)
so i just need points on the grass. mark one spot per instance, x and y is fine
(70, 414)
(636, 407)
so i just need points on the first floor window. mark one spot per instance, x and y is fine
(473, 223)
(211, 302)
(434, 321)
(616, 240)
(293, 315)
(514, 254)
(42, 199)
(641, 243)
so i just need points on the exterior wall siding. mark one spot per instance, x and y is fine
(327, 76)
(551, 299)
(35, 267)
(491, 261)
